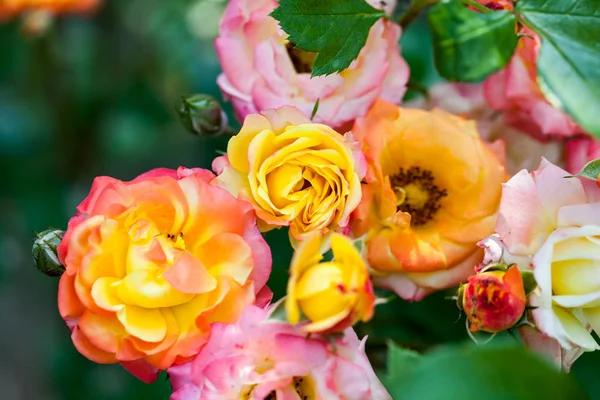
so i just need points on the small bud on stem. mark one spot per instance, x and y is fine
(45, 254)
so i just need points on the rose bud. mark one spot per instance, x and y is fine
(332, 295)
(494, 301)
(44, 252)
(201, 114)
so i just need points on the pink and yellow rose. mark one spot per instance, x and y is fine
(152, 263)
(262, 69)
(431, 192)
(296, 173)
(332, 295)
(555, 222)
(260, 359)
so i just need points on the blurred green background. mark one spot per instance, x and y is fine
(96, 96)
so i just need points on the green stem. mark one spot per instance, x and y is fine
(477, 6)
(414, 9)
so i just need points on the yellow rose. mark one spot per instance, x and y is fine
(332, 295)
(294, 172)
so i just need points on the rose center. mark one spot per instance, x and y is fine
(417, 194)
(177, 239)
(302, 386)
(302, 60)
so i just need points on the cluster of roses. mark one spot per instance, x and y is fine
(169, 271)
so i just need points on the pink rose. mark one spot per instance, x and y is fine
(258, 358)
(515, 91)
(580, 151)
(261, 70)
(515, 147)
(555, 221)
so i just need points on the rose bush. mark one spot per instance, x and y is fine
(263, 70)
(152, 263)
(295, 173)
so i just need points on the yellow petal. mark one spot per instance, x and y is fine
(146, 289)
(318, 278)
(146, 324)
(104, 293)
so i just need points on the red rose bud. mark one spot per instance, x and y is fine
(494, 301)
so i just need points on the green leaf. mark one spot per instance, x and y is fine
(468, 46)
(336, 30)
(400, 364)
(569, 60)
(591, 170)
(492, 372)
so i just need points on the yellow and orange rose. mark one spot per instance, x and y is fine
(152, 263)
(432, 191)
(332, 295)
(295, 173)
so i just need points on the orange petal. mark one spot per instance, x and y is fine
(87, 349)
(107, 333)
(69, 305)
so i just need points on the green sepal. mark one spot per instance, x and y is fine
(529, 282)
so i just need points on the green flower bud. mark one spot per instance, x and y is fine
(201, 114)
(44, 252)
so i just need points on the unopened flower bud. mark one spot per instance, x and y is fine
(44, 252)
(201, 114)
(494, 301)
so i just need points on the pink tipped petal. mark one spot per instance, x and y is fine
(188, 275)
(520, 224)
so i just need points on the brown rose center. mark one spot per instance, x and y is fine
(417, 194)
(302, 60)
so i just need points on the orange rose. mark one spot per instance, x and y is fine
(152, 263)
(432, 191)
(10, 8)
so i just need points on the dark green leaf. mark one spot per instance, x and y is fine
(569, 61)
(492, 372)
(468, 46)
(336, 30)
